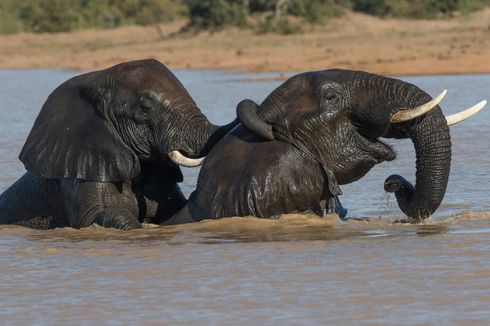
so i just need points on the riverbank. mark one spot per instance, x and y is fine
(354, 41)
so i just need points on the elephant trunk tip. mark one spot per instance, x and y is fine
(405, 196)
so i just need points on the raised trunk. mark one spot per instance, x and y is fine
(432, 141)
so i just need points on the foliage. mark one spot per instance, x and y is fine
(48, 15)
(69, 15)
(212, 14)
(217, 13)
(417, 8)
(262, 5)
(314, 10)
(283, 26)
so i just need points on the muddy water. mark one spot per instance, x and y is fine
(295, 270)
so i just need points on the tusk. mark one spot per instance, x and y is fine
(178, 158)
(463, 115)
(411, 114)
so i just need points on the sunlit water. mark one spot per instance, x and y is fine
(295, 270)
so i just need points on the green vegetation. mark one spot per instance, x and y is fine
(265, 15)
(69, 15)
(216, 13)
(417, 8)
(283, 16)
(279, 15)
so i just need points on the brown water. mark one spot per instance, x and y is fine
(296, 270)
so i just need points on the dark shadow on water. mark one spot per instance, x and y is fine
(305, 233)
(426, 230)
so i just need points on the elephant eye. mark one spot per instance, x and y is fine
(146, 105)
(330, 94)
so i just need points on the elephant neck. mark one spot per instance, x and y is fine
(331, 181)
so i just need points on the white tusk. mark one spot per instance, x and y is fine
(463, 115)
(178, 158)
(411, 114)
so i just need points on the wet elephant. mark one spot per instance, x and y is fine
(105, 147)
(319, 130)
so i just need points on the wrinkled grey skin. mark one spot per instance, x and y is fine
(316, 131)
(97, 152)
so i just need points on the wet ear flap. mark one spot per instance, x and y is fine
(71, 138)
(94, 95)
(333, 186)
(247, 113)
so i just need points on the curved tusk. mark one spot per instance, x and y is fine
(178, 158)
(463, 115)
(410, 114)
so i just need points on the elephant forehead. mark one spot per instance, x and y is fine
(145, 76)
(166, 88)
(159, 96)
(342, 75)
(313, 85)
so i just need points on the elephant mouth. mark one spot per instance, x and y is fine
(384, 152)
(377, 149)
(367, 153)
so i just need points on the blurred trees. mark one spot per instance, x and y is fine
(417, 8)
(269, 13)
(69, 15)
(218, 13)
(266, 15)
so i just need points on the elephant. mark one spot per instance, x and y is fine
(315, 132)
(105, 149)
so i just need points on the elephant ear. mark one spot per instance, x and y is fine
(71, 138)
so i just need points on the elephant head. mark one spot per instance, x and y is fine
(339, 116)
(101, 125)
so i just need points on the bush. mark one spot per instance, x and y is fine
(9, 22)
(145, 12)
(68, 15)
(217, 13)
(417, 9)
(48, 15)
(314, 10)
(284, 26)
(214, 14)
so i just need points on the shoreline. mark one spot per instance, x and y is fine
(355, 41)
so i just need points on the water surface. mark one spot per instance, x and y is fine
(295, 270)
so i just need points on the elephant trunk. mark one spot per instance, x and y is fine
(432, 141)
(210, 134)
(195, 138)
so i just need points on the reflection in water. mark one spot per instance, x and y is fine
(298, 269)
(294, 270)
(425, 230)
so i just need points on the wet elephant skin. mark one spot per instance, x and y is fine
(98, 150)
(316, 131)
